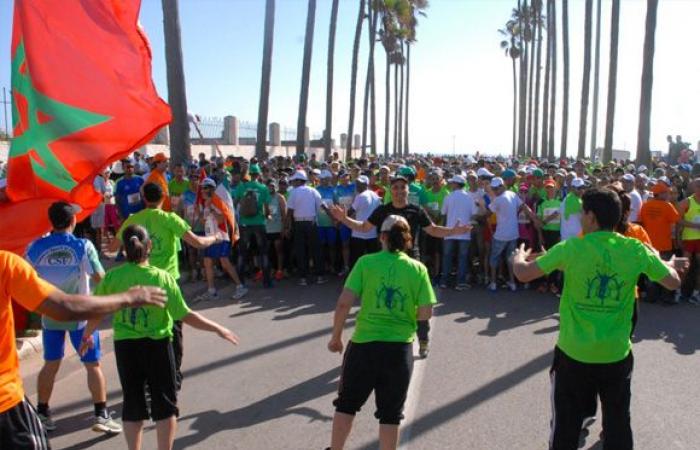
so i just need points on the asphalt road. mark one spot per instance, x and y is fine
(484, 386)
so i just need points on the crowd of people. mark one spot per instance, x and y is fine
(393, 229)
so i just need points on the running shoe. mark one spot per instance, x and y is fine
(423, 349)
(302, 282)
(47, 422)
(493, 287)
(343, 272)
(321, 280)
(212, 294)
(512, 286)
(106, 425)
(258, 276)
(443, 285)
(279, 275)
(462, 287)
(694, 300)
(240, 292)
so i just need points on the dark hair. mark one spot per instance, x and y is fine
(136, 239)
(625, 207)
(61, 215)
(605, 205)
(152, 193)
(399, 237)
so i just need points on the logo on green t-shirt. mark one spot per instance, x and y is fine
(390, 296)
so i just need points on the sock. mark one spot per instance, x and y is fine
(101, 409)
(43, 409)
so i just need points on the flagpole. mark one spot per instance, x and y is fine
(4, 106)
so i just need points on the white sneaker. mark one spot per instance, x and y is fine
(212, 294)
(512, 286)
(46, 421)
(241, 291)
(106, 425)
(493, 287)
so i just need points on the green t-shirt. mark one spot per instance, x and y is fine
(177, 188)
(432, 201)
(391, 287)
(263, 196)
(547, 208)
(145, 321)
(165, 229)
(600, 276)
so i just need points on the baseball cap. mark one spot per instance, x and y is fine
(484, 173)
(159, 157)
(508, 173)
(550, 183)
(659, 188)
(325, 174)
(392, 220)
(458, 179)
(299, 175)
(538, 173)
(399, 178)
(524, 187)
(496, 182)
(208, 182)
(362, 179)
(578, 183)
(628, 177)
(406, 171)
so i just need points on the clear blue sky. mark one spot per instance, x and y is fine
(461, 82)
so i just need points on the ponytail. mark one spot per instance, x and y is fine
(399, 237)
(136, 240)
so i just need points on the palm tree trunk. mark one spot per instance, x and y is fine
(522, 108)
(596, 81)
(531, 150)
(408, 79)
(553, 96)
(396, 109)
(586, 82)
(368, 83)
(387, 109)
(372, 100)
(177, 95)
(565, 51)
(261, 140)
(399, 131)
(353, 79)
(535, 120)
(305, 76)
(327, 139)
(612, 81)
(515, 109)
(643, 150)
(545, 100)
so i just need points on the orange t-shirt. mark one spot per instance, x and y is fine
(158, 178)
(638, 232)
(19, 282)
(658, 218)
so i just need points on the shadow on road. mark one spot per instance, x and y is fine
(677, 325)
(284, 403)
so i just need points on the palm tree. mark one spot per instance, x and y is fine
(643, 151)
(410, 23)
(261, 141)
(565, 50)
(329, 82)
(523, 30)
(596, 80)
(586, 83)
(389, 40)
(372, 101)
(369, 79)
(305, 75)
(537, 23)
(179, 127)
(395, 57)
(353, 79)
(512, 51)
(612, 81)
(408, 78)
(530, 26)
(553, 98)
(399, 128)
(545, 100)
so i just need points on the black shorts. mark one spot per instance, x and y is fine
(382, 367)
(141, 361)
(21, 429)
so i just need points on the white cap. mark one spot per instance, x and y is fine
(392, 220)
(483, 172)
(362, 179)
(458, 179)
(208, 182)
(642, 168)
(577, 183)
(628, 177)
(325, 174)
(497, 182)
(316, 172)
(298, 175)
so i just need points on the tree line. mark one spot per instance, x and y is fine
(529, 36)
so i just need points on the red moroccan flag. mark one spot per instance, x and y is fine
(83, 97)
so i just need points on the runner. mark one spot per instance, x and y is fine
(73, 265)
(142, 342)
(689, 208)
(458, 207)
(20, 427)
(593, 353)
(394, 291)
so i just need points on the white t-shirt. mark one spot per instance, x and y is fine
(570, 227)
(458, 207)
(364, 205)
(506, 207)
(305, 201)
(635, 205)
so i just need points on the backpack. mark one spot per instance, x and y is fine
(249, 204)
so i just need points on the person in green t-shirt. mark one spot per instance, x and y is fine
(394, 292)
(177, 186)
(431, 200)
(142, 341)
(548, 229)
(593, 355)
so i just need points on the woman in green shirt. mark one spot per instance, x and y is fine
(142, 341)
(394, 292)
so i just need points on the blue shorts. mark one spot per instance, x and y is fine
(345, 233)
(220, 250)
(327, 235)
(55, 340)
(501, 248)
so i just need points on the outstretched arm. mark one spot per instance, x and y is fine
(524, 267)
(198, 321)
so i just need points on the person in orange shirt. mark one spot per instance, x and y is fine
(658, 216)
(20, 427)
(158, 177)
